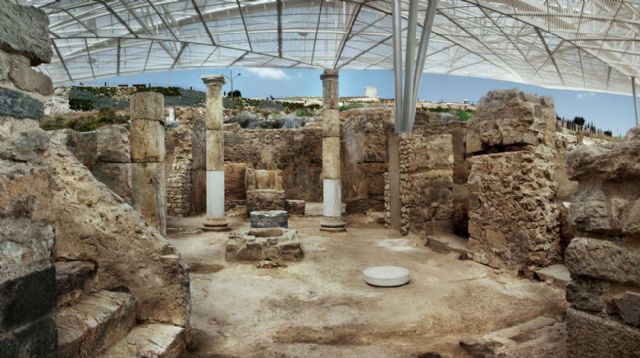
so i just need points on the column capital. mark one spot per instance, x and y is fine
(329, 74)
(213, 80)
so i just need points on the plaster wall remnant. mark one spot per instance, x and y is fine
(148, 154)
(513, 213)
(604, 259)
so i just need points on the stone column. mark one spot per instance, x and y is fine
(147, 157)
(332, 185)
(215, 155)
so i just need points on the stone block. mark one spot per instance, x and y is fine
(214, 112)
(593, 336)
(19, 105)
(631, 225)
(269, 219)
(264, 244)
(198, 191)
(147, 105)
(331, 123)
(604, 260)
(27, 298)
(27, 79)
(25, 191)
(25, 30)
(295, 207)
(26, 146)
(38, 338)
(511, 118)
(155, 340)
(628, 307)
(25, 246)
(117, 177)
(215, 150)
(331, 157)
(71, 277)
(149, 193)
(585, 294)
(112, 142)
(618, 163)
(86, 148)
(265, 199)
(147, 141)
(259, 179)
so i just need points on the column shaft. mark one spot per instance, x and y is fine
(147, 156)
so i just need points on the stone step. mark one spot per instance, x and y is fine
(555, 274)
(446, 243)
(150, 340)
(539, 337)
(70, 279)
(94, 323)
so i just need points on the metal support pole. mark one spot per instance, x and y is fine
(410, 64)
(635, 104)
(422, 56)
(397, 62)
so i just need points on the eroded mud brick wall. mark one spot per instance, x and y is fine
(604, 258)
(426, 183)
(365, 134)
(27, 276)
(513, 215)
(296, 152)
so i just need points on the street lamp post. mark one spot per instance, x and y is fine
(230, 79)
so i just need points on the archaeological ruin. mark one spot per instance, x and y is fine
(165, 221)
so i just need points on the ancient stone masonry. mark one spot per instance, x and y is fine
(27, 273)
(604, 258)
(364, 141)
(148, 155)
(513, 215)
(296, 152)
(426, 183)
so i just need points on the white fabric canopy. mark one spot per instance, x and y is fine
(588, 45)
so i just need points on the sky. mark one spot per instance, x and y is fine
(607, 111)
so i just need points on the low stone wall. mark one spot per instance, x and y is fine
(365, 134)
(604, 259)
(27, 276)
(426, 183)
(513, 214)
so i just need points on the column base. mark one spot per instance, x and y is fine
(216, 225)
(333, 224)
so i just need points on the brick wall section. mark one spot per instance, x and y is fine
(513, 214)
(604, 259)
(27, 276)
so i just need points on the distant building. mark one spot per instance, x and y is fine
(371, 92)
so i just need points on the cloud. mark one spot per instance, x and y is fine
(269, 73)
(585, 95)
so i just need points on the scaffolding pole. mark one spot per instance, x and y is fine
(422, 56)
(635, 104)
(409, 65)
(397, 62)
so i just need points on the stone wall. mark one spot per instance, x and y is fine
(27, 274)
(604, 259)
(513, 214)
(426, 183)
(365, 134)
(296, 152)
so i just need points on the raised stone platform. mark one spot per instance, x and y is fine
(264, 244)
(269, 219)
(333, 225)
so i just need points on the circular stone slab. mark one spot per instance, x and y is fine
(386, 276)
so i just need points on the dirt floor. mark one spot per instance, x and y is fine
(321, 307)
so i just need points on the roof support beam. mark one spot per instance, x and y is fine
(553, 60)
(635, 104)
(86, 45)
(409, 66)
(64, 65)
(120, 20)
(397, 62)
(175, 61)
(315, 38)
(204, 23)
(118, 58)
(346, 37)
(244, 24)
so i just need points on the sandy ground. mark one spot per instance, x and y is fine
(321, 307)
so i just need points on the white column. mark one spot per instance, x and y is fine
(215, 220)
